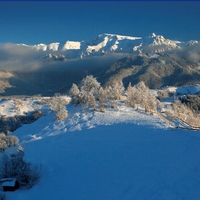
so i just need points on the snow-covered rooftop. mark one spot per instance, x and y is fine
(9, 182)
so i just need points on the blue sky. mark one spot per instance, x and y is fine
(46, 22)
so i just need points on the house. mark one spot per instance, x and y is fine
(10, 184)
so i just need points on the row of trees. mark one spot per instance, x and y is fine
(90, 93)
(140, 95)
(184, 113)
(191, 101)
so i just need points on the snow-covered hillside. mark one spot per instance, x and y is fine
(109, 43)
(120, 154)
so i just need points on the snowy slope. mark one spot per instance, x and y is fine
(120, 154)
(157, 43)
(15, 106)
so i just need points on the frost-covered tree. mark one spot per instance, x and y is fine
(3, 145)
(102, 98)
(87, 92)
(7, 141)
(74, 93)
(132, 95)
(12, 141)
(91, 101)
(116, 90)
(2, 135)
(191, 101)
(83, 96)
(59, 106)
(111, 96)
(61, 114)
(184, 113)
(140, 94)
(90, 85)
(163, 94)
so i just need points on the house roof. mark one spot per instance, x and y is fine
(9, 183)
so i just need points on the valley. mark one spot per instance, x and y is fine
(112, 118)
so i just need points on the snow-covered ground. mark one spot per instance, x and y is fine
(121, 154)
(190, 89)
(20, 106)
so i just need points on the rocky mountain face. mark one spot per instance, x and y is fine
(156, 71)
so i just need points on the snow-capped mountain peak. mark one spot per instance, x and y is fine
(155, 40)
(106, 43)
(153, 35)
(158, 43)
(118, 37)
(69, 45)
(43, 47)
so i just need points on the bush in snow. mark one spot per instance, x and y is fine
(61, 114)
(18, 105)
(59, 106)
(163, 94)
(7, 141)
(14, 166)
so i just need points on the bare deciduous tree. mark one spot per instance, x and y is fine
(140, 94)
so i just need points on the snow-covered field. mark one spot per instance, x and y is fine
(121, 154)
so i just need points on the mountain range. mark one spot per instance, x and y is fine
(109, 43)
(50, 68)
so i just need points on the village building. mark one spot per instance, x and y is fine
(9, 184)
